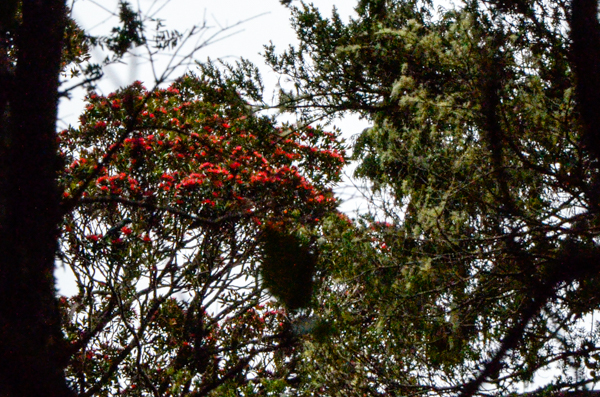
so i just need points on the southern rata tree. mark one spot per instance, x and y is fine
(177, 196)
(484, 147)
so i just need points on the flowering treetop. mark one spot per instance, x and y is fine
(203, 158)
(170, 191)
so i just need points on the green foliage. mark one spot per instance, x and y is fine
(75, 48)
(488, 190)
(130, 34)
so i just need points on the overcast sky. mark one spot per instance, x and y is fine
(251, 23)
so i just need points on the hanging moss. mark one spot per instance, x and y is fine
(288, 266)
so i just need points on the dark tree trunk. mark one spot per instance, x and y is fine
(31, 342)
(585, 57)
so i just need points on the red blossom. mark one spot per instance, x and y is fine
(93, 237)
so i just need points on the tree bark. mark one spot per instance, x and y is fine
(585, 58)
(31, 341)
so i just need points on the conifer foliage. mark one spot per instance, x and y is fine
(475, 272)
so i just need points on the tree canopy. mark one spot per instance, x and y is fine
(480, 267)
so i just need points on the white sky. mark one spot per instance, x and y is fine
(265, 21)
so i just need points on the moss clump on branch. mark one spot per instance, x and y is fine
(288, 267)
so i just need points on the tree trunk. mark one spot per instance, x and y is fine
(31, 341)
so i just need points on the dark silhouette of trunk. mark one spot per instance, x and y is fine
(585, 58)
(31, 342)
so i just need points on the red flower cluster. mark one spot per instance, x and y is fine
(188, 153)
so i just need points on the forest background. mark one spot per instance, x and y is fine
(204, 236)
